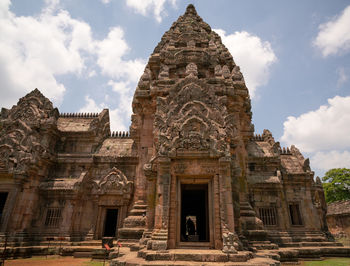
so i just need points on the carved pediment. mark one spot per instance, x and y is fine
(115, 182)
(193, 118)
(22, 142)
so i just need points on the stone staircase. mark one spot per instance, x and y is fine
(82, 249)
(262, 245)
(300, 239)
(134, 225)
(191, 257)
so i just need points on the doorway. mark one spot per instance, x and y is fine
(111, 219)
(3, 197)
(194, 214)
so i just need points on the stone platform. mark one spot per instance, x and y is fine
(131, 256)
(191, 257)
(84, 249)
(216, 257)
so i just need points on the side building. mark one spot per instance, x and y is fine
(62, 175)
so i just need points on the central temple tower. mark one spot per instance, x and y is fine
(191, 123)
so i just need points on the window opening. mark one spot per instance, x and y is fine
(268, 215)
(53, 217)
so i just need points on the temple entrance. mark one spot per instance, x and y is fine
(194, 220)
(111, 219)
(3, 197)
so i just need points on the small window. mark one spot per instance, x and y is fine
(53, 217)
(268, 215)
(251, 167)
(295, 215)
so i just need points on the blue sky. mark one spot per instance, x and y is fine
(86, 55)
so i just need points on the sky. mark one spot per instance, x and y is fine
(86, 55)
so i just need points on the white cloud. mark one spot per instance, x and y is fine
(145, 7)
(91, 106)
(124, 110)
(106, 1)
(33, 50)
(253, 55)
(119, 117)
(334, 35)
(331, 159)
(110, 52)
(327, 128)
(342, 76)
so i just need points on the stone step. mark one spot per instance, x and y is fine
(137, 212)
(312, 244)
(265, 246)
(195, 255)
(144, 207)
(128, 242)
(131, 259)
(82, 254)
(260, 242)
(293, 254)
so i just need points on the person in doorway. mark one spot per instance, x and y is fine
(183, 229)
(190, 227)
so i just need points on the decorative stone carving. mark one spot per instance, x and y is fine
(226, 72)
(164, 73)
(193, 118)
(27, 132)
(191, 70)
(115, 182)
(229, 243)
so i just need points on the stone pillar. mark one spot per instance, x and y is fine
(151, 201)
(92, 234)
(226, 206)
(161, 223)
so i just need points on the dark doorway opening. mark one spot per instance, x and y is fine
(111, 222)
(3, 197)
(295, 215)
(194, 213)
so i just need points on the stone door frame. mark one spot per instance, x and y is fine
(101, 219)
(12, 191)
(195, 180)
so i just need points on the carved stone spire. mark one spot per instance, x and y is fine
(190, 52)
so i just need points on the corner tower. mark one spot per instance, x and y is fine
(191, 123)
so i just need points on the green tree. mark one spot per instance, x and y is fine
(336, 184)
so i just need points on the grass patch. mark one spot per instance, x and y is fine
(95, 263)
(49, 257)
(333, 262)
(344, 240)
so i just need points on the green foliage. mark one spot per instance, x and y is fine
(337, 184)
(333, 262)
(95, 263)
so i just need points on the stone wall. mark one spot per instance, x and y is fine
(338, 219)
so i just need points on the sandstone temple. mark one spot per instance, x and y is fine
(190, 173)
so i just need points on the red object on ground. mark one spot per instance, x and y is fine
(119, 244)
(107, 247)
